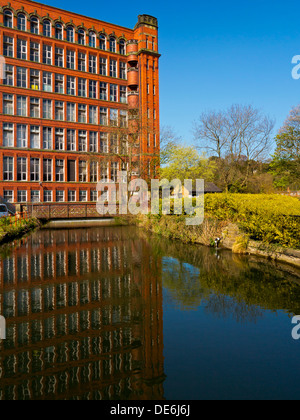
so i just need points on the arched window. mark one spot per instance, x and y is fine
(122, 48)
(8, 19)
(102, 44)
(81, 37)
(34, 25)
(112, 44)
(47, 28)
(70, 34)
(58, 31)
(21, 22)
(92, 39)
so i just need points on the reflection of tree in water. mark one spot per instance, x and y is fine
(225, 306)
(185, 289)
(182, 282)
(251, 283)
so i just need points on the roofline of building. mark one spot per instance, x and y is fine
(74, 13)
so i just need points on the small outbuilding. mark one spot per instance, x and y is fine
(211, 188)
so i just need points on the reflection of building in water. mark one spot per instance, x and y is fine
(84, 317)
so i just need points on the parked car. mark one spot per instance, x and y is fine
(3, 210)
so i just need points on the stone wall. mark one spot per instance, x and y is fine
(231, 236)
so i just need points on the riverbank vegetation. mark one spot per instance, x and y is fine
(285, 166)
(272, 219)
(12, 228)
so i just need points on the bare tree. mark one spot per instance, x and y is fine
(211, 133)
(237, 137)
(124, 145)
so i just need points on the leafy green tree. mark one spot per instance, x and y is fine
(169, 140)
(286, 161)
(184, 162)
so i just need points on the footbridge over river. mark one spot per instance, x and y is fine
(67, 211)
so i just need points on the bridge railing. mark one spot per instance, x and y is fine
(63, 211)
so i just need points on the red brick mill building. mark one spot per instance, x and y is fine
(68, 80)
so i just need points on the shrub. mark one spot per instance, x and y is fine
(269, 218)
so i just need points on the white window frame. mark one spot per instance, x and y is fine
(71, 112)
(103, 66)
(35, 137)
(35, 169)
(8, 46)
(93, 114)
(22, 140)
(71, 85)
(70, 34)
(47, 142)
(21, 22)
(8, 135)
(81, 36)
(8, 104)
(35, 196)
(21, 77)
(71, 140)
(22, 174)
(47, 109)
(47, 54)
(113, 68)
(21, 194)
(58, 31)
(59, 111)
(47, 28)
(48, 199)
(71, 59)
(22, 106)
(59, 139)
(102, 42)
(59, 170)
(47, 81)
(112, 44)
(34, 52)
(9, 75)
(93, 141)
(82, 140)
(34, 25)
(59, 57)
(8, 168)
(92, 39)
(34, 107)
(47, 170)
(8, 18)
(82, 113)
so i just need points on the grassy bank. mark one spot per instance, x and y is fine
(11, 229)
(174, 227)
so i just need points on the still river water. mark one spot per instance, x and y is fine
(114, 313)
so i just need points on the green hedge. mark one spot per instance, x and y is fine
(270, 218)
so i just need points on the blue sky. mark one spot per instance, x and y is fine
(215, 53)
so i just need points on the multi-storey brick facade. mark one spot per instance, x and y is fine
(68, 80)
